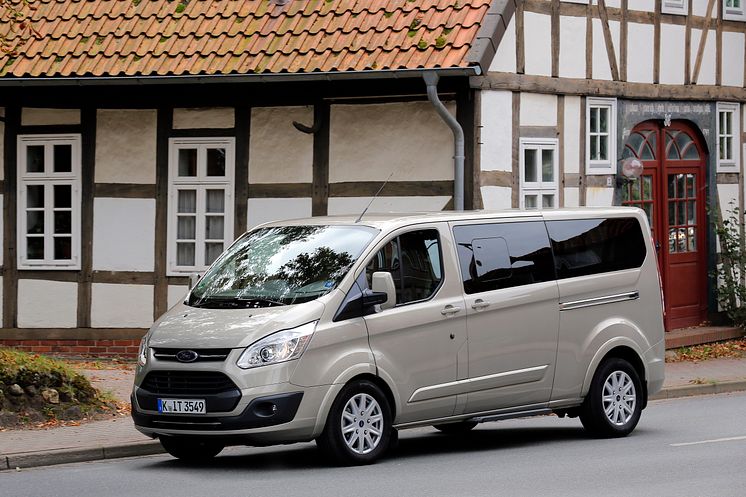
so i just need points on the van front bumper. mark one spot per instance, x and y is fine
(280, 413)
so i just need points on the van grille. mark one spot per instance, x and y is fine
(187, 382)
(204, 355)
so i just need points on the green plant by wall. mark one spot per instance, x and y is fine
(731, 271)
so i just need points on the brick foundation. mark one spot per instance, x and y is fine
(78, 348)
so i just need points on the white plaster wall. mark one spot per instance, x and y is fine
(571, 134)
(733, 56)
(208, 117)
(538, 43)
(279, 153)
(176, 294)
(355, 205)
(2, 145)
(369, 142)
(2, 227)
(572, 197)
(47, 304)
(672, 54)
(125, 146)
(707, 71)
(496, 197)
(613, 3)
(601, 68)
(640, 53)
(123, 234)
(121, 306)
(699, 8)
(645, 5)
(497, 131)
(727, 194)
(39, 117)
(538, 109)
(572, 47)
(504, 60)
(599, 197)
(264, 210)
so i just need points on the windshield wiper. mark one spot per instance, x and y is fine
(236, 302)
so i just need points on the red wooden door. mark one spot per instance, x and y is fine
(672, 193)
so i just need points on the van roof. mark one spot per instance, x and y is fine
(394, 219)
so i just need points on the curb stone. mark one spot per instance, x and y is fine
(703, 389)
(63, 456)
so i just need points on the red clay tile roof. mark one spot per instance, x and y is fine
(160, 37)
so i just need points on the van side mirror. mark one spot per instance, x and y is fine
(383, 282)
(193, 280)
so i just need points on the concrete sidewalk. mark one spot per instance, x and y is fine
(117, 437)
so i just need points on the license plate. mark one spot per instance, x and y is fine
(182, 406)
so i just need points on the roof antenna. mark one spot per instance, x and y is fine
(374, 197)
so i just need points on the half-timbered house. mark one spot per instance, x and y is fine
(142, 137)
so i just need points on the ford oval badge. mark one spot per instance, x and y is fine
(186, 356)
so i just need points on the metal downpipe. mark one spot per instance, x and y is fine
(431, 80)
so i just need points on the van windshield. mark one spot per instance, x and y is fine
(280, 266)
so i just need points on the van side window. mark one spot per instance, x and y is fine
(503, 255)
(591, 246)
(414, 261)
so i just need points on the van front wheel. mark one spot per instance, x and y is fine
(613, 405)
(358, 429)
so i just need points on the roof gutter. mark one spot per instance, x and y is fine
(236, 78)
(431, 80)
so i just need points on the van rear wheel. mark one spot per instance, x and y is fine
(358, 428)
(191, 449)
(456, 428)
(613, 405)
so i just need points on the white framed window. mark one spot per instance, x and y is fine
(600, 143)
(728, 136)
(678, 7)
(538, 164)
(734, 10)
(585, 2)
(200, 204)
(48, 193)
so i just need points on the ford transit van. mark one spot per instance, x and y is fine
(345, 331)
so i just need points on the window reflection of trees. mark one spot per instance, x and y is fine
(281, 264)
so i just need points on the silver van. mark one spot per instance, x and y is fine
(346, 331)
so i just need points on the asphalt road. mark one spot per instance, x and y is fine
(683, 447)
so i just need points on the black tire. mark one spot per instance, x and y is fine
(336, 445)
(191, 449)
(619, 422)
(456, 428)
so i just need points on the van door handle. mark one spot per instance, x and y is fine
(480, 304)
(450, 309)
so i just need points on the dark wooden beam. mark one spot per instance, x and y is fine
(320, 198)
(88, 164)
(520, 40)
(608, 40)
(392, 189)
(555, 37)
(124, 190)
(10, 276)
(160, 292)
(702, 43)
(516, 150)
(657, 43)
(241, 194)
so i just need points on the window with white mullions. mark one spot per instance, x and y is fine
(600, 135)
(727, 131)
(678, 7)
(734, 10)
(538, 166)
(48, 201)
(201, 193)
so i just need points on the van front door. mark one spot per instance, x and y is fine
(512, 315)
(418, 343)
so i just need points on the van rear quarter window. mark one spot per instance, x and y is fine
(503, 255)
(590, 246)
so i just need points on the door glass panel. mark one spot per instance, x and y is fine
(35, 222)
(547, 201)
(35, 196)
(216, 162)
(215, 201)
(35, 247)
(682, 213)
(530, 202)
(63, 248)
(187, 201)
(62, 196)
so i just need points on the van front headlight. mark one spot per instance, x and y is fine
(142, 354)
(278, 347)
